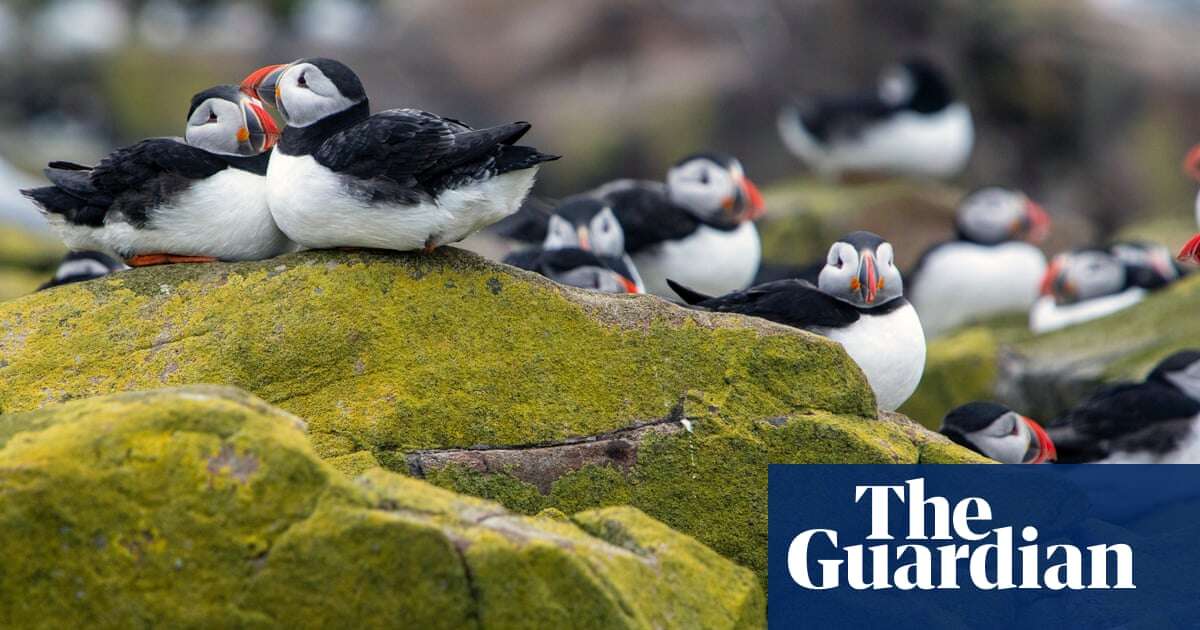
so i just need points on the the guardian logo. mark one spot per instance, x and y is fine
(974, 554)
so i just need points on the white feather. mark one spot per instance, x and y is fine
(312, 206)
(935, 145)
(962, 282)
(890, 350)
(709, 260)
(1047, 316)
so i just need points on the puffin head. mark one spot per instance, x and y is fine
(306, 90)
(1083, 275)
(994, 215)
(585, 223)
(584, 269)
(223, 120)
(714, 187)
(861, 269)
(1181, 371)
(998, 432)
(915, 84)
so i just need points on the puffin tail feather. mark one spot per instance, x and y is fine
(687, 295)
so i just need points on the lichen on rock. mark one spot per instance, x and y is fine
(204, 506)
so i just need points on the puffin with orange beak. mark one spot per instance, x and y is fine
(995, 431)
(992, 267)
(1090, 283)
(199, 198)
(1191, 167)
(858, 302)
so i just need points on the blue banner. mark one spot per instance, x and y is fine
(1087, 546)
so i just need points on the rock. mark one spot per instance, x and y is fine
(483, 378)
(204, 506)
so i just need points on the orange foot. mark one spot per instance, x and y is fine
(146, 260)
(430, 245)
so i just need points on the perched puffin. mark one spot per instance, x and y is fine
(581, 268)
(196, 199)
(990, 268)
(1191, 166)
(81, 266)
(585, 223)
(858, 302)
(911, 124)
(998, 432)
(1087, 284)
(1141, 423)
(1149, 256)
(399, 179)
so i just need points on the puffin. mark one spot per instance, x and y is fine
(399, 179)
(911, 123)
(585, 223)
(581, 268)
(1154, 421)
(858, 302)
(991, 267)
(1191, 166)
(199, 198)
(1087, 284)
(82, 266)
(995, 431)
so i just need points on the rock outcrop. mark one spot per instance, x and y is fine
(203, 506)
(478, 377)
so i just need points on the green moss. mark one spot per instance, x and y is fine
(959, 368)
(117, 509)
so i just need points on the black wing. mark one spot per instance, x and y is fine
(132, 180)
(417, 150)
(646, 216)
(834, 119)
(770, 272)
(793, 302)
(1127, 417)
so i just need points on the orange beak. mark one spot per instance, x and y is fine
(1191, 251)
(1051, 275)
(755, 207)
(1191, 163)
(262, 83)
(629, 285)
(584, 242)
(1046, 451)
(270, 129)
(867, 279)
(1039, 221)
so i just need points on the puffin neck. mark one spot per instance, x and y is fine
(256, 164)
(305, 140)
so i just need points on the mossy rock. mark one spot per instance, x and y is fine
(203, 506)
(959, 368)
(411, 360)
(17, 282)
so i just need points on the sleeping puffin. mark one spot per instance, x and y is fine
(910, 124)
(858, 302)
(399, 179)
(990, 268)
(995, 431)
(585, 223)
(82, 266)
(1087, 284)
(199, 198)
(581, 268)
(1191, 166)
(1154, 421)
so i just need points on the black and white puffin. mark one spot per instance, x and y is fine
(1089, 283)
(82, 266)
(911, 123)
(199, 198)
(586, 223)
(1191, 166)
(581, 268)
(995, 431)
(1154, 421)
(990, 268)
(858, 302)
(398, 179)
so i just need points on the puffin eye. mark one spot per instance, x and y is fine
(212, 116)
(704, 177)
(302, 82)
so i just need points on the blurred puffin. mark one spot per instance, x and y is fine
(581, 268)
(168, 200)
(1191, 166)
(1154, 421)
(1087, 284)
(998, 432)
(585, 223)
(696, 228)
(988, 269)
(858, 302)
(398, 179)
(82, 266)
(911, 123)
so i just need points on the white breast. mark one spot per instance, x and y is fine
(1047, 316)
(710, 261)
(963, 282)
(313, 206)
(935, 145)
(890, 350)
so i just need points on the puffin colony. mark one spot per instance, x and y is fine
(989, 566)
